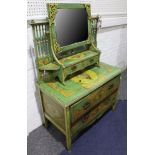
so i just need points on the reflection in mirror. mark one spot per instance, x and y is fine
(71, 26)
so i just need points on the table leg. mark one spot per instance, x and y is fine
(68, 132)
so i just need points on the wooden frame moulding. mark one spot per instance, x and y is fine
(52, 10)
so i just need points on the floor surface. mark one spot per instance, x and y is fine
(106, 137)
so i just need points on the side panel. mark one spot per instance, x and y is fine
(54, 111)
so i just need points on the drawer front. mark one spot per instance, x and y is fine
(95, 113)
(84, 105)
(79, 66)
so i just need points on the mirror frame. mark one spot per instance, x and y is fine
(52, 11)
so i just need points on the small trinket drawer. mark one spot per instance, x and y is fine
(73, 110)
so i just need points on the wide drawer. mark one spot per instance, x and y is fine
(90, 117)
(81, 107)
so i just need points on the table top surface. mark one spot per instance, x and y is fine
(80, 85)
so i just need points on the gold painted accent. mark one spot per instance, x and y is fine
(64, 92)
(43, 61)
(52, 13)
(92, 74)
(87, 79)
(72, 58)
(57, 47)
(94, 97)
(40, 62)
(108, 69)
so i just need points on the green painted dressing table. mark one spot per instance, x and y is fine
(75, 88)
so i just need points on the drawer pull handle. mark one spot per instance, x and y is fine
(85, 118)
(111, 86)
(86, 106)
(73, 68)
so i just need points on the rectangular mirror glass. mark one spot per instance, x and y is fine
(71, 26)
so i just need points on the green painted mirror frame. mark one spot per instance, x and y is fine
(52, 11)
(55, 47)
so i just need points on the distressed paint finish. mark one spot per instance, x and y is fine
(84, 105)
(77, 57)
(80, 66)
(49, 66)
(46, 46)
(95, 113)
(94, 22)
(75, 90)
(76, 103)
(41, 45)
(74, 106)
(68, 128)
(79, 96)
(55, 47)
(52, 9)
(54, 110)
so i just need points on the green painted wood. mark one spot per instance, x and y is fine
(65, 103)
(52, 8)
(41, 107)
(68, 128)
(52, 11)
(75, 45)
(88, 102)
(54, 110)
(94, 114)
(80, 66)
(55, 123)
(94, 22)
(70, 5)
(73, 59)
(49, 66)
(73, 90)
(45, 43)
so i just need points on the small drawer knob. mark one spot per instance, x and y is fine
(85, 118)
(73, 68)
